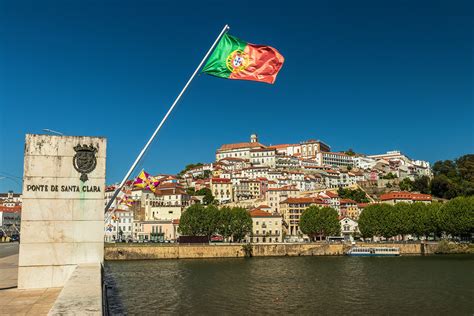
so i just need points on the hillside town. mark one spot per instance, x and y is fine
(275, 183)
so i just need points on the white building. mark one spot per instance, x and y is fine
(239, 150)
(119, 226)
(10, 220)
(10, 199)
(349, 228)
(263, 157)
(416, 167)
(335, 159)
(364, 162)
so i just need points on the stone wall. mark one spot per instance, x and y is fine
(153, 251)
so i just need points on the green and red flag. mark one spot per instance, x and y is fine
(236, 59)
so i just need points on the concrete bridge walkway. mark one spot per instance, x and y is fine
(20, 302)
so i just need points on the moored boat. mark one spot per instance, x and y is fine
(374, 251)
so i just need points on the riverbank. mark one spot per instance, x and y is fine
(195, 251)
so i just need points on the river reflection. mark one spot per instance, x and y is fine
(438, 285)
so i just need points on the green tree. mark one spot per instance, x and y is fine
(432, 220)
(465, 166)
(453, 178)
(446, 168)
(388, 218)
(224, 222)
(241, 223)
(442, 186)
(378, 220)
(211, 220)
(421, 184)
(389, 176)
(357, 195)
(192, 221)
(419, 216)
(208, 197)
(316, 221)
(403, 221)
(406, 185)
(369, 221)
(457, 216)
(350, 152)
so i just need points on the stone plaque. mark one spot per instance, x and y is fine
(63, 208)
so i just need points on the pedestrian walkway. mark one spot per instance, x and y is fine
(8, 271)
(22, 302)
(27, 302)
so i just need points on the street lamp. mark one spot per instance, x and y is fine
(52, 132)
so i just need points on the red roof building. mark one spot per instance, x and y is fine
(407, 197)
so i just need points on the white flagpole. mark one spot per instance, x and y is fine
(140, 156)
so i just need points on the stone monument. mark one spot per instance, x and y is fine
(63, 208)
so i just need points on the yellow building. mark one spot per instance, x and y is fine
(222, 190)
(266, 227)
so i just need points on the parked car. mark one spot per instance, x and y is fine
(217, 238)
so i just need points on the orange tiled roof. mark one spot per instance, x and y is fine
(10, 209)
(405, 196)
(280, 146)
(285, 188)
(220, 180)
(262, 149)
(259, 213)
(348, 201)
(304, 200)
(331, 194)
(241, 145)
(169, 192)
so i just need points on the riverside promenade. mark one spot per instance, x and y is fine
(20, 302)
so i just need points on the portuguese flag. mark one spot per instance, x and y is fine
(236, 59)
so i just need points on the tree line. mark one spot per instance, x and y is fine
(454, 218)
(451, 178)
(231, 223)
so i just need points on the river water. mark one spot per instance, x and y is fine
(434, 285)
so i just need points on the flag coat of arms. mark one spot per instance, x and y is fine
(236, 59)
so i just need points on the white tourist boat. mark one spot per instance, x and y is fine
(374, 251)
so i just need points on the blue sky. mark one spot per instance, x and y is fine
(368, 75)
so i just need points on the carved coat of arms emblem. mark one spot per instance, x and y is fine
(84, 160)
